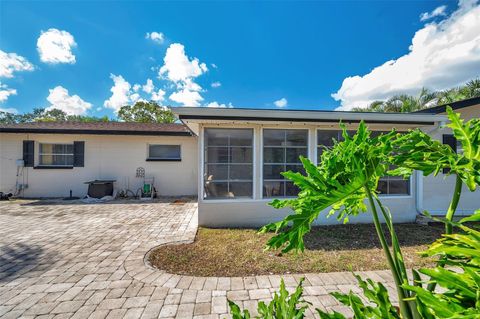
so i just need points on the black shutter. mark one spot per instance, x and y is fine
(28, 153)
(450, 140)
(78, 154)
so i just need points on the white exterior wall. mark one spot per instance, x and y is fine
(256, 212)
(437, 190)
(106, 157)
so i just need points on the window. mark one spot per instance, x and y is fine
(325, 138)
(163, 152)
(56, 154)
(387, 185)
(393, 185)
(228, 160)
(281, 152)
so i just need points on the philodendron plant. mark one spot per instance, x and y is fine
(418, 151)
(348, 174)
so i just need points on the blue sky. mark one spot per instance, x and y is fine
(87, 58)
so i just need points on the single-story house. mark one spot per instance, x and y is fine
(230, 158)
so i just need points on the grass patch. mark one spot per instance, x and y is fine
(239, 252)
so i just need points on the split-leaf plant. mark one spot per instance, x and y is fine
(283, 305)
(418, 151)
(461, 285)
(348, 174)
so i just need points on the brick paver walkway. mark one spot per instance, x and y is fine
(64, 260)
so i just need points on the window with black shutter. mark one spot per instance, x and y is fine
(78, 154)
(28, 153)
(451, 141)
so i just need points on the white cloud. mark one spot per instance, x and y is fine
(157, 37)
(178, 67)
(12, 62)
(281, 103)
(5, 92)
(9, 110)
(442, 55)
(218, 105)
(158, 96)
(70, 104)
(214, 65)
(148, 87)
(216, 84)
(121, 93)
(438, 11)
(182, 71)
(186, 97)
(136, 87)
(55, 46)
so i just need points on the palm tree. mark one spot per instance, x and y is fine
(425, 99)
(471, 89)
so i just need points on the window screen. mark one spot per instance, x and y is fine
(228, 160)
(281, 152)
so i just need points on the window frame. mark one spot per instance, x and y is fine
(160, 159)
(262, 157)
(40, 154)
(203, 164)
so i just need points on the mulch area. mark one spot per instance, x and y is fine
(240, 252)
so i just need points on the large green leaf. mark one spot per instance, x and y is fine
(416, 150)
(338, 183)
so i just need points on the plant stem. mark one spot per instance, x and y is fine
(449, 217)
(453, 204)
(404, 308)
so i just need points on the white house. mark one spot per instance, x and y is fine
(230, 158)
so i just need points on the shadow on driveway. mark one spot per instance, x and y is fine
(18, 259)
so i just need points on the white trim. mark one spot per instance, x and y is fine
(288, 115)
(201, 188)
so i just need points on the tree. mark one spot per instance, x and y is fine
(52, 115)
(425, 99)
(146, 112)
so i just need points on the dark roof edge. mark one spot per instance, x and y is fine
(455, 106)
(273, 119)
(90, 132)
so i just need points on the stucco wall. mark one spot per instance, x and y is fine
(106, 157)
(258, 213)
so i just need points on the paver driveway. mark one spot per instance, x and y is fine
(87, 261)
(59, 259)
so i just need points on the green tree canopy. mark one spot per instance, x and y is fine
(146, 112)
(43, 115)
(424, 99)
